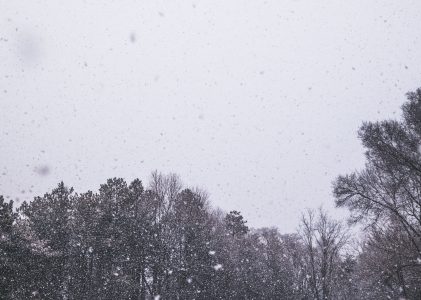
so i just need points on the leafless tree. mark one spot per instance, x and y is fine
(323, 239)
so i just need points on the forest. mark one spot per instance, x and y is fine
(162, 240)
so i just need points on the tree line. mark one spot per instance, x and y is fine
(165, 241)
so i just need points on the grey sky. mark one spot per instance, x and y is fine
(258, 102)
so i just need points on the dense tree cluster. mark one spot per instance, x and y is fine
(127, 242)
(165, 241)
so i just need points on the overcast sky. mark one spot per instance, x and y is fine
(258, 102)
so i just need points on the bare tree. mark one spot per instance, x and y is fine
(386, 195)
(324, 239)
